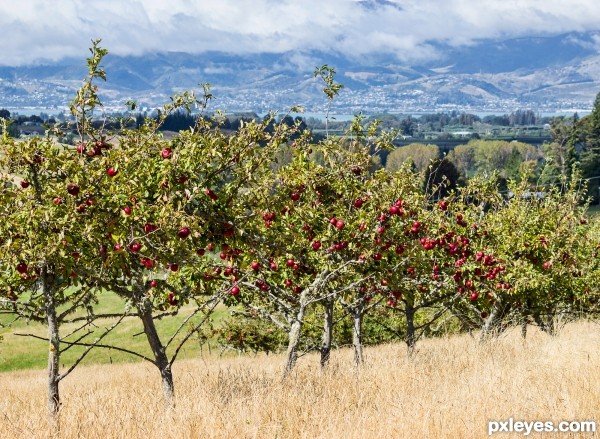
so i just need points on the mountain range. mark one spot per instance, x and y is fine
(543, 73)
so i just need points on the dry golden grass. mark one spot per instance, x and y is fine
(450, 389)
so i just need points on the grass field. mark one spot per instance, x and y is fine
(18, 352)
(450, 389)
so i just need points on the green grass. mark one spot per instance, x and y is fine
(593, 211)
(21, 352)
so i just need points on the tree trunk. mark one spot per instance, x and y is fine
(357, 315)
(547, 325)
(411, 338)
(493, 324)
(54, 344)
(159, 351)
(294, 340)
(524, 322)
(327, 332)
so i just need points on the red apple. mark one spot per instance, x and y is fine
(173, 267)
(184, 232)
(112, 172)
(166, 153)
(316, 245)
(127, 210)
(22, 268)
(135, 247)
(234, 291)
(339, 224)
(73, 189)
(149, 228)
(24, 184)
(211, 194)
(153, 284)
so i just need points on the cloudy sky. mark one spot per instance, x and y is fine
(35, 30)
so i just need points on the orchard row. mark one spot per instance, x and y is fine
(268, 221)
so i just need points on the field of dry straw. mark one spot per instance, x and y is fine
(450, 389)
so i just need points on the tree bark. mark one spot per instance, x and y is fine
(411, 338)
(546, 325)
(159, 351)
(293, 341)
(493, 324)
(54, 344)
(327, 332)
(357, 316)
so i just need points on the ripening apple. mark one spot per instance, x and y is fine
(149, 228)
(135, 247)
(72, 189)
(184, 232)
(166, 153)
(57, 200)
(80, 148)
(255, 266)
(22, 268)
(112, 172)
(211, 194)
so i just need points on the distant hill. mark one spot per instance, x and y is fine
(541, 73)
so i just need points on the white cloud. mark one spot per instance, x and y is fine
(38, 29)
